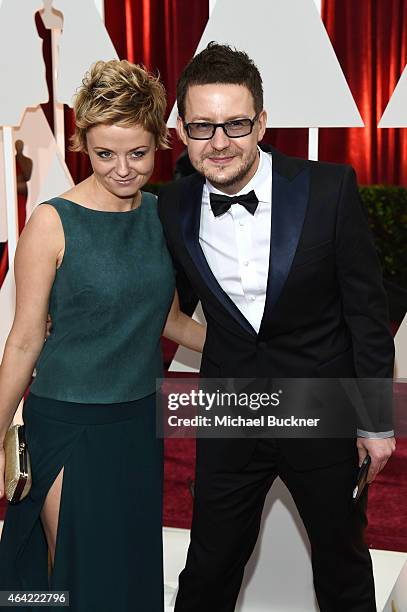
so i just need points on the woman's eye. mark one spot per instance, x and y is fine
(104, 154)
(138, 154)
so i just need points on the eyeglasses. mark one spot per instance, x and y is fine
(237, 128)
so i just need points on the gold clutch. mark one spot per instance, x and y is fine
(18, 467)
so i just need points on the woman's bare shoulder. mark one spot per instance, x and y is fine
(44, 216)
(43, 230)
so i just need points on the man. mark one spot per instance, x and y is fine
(290, 287)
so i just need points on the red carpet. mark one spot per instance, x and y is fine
(179, 470)
(387, 529)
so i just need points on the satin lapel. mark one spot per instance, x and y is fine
(190, 211)
(289, 205)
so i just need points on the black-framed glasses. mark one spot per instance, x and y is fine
(236, 128)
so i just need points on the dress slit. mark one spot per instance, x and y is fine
(58, 522)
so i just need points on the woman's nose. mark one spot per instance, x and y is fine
(122, 166)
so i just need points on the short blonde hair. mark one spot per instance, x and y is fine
(118, 92)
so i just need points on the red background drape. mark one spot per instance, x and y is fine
(369, 38)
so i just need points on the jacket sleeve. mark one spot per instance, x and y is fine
(365, 310)
(187, 297)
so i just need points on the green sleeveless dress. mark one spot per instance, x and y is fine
(91, 411)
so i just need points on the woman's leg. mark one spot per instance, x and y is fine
(50, 513)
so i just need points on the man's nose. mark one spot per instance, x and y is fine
(219, 140)
(122, 166)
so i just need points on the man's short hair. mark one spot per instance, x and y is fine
(220, 64)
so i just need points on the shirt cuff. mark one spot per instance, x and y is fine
(375, 435)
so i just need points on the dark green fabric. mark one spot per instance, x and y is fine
(108, 305)
(109, 540)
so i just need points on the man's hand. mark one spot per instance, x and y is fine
(380, 450)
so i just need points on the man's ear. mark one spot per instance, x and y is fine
(262, 121)
(181, 131)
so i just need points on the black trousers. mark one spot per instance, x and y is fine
(226, 522)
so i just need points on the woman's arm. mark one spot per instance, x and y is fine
(182, 329)
(39, 249)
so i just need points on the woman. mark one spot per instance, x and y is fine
(96, 259)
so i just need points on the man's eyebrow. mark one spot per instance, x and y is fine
(231, 118)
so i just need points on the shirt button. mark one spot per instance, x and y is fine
(252, 298)
(246, 263)
(241, 223)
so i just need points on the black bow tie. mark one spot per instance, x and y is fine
(221, 203)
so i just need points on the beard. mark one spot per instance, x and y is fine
(237, 175)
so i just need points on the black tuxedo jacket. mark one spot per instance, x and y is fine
(326, 311)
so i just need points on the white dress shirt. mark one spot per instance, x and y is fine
(237, 244)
